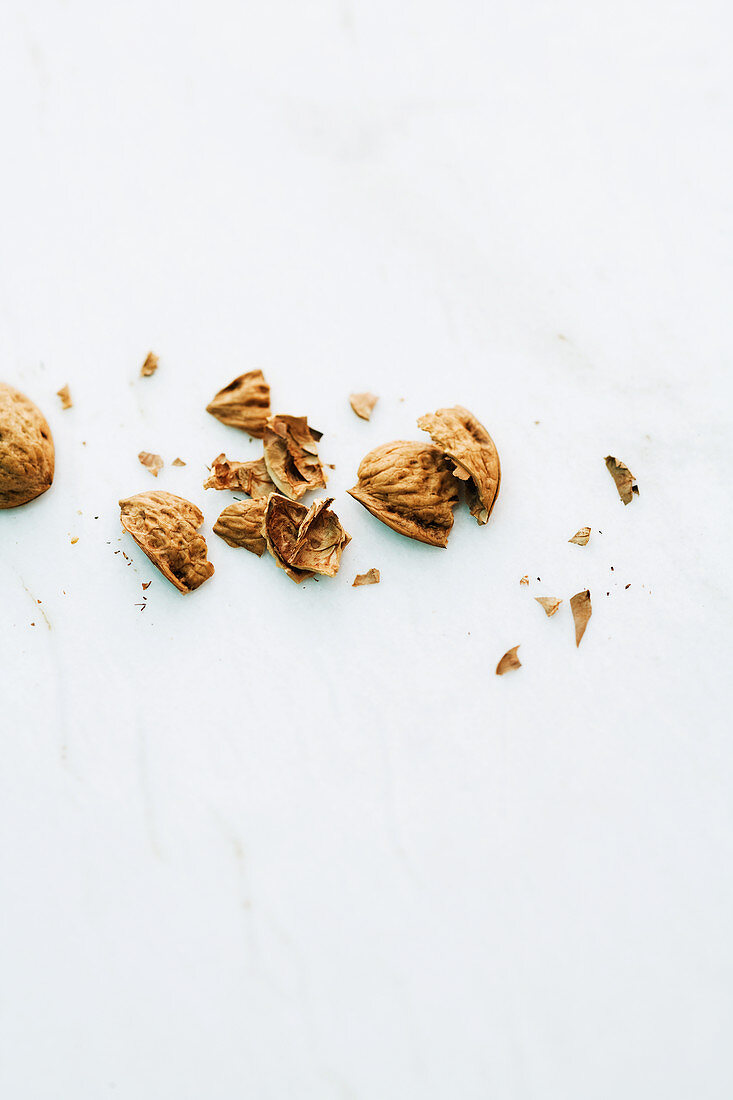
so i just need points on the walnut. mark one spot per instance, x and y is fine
(459, 434)
(26, 449)
(363, 404)
(241, 525)
(246, 477)
(291, 455)
(411, 488)
(622, 475)
(508, 661)
(150, 365)
(581, 608)
(244, 403)
(165, 528)
(304, 541)
(151, 462)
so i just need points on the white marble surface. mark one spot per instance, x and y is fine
(275, 842)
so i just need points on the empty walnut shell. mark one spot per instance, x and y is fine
(26, 449)
(165, 527)
(244, 403)
(304, 541)
(411, 488)
(241, 525)
(291, 455)
(460, 435)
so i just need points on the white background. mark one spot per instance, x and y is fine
(273, 841)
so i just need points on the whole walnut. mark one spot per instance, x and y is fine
(26, 449)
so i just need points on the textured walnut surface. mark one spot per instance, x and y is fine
(165, 527)
(26, 449)
(240, 525)
(460, 435)
(411, 488)
(244, 403)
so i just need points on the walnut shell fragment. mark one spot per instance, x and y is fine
(150, 365)
(411, 488)
(524, 581)
(151, 462)
(363, 404)
(581, 537)
(508, 661)
(581, 608)
(27, 453)
(372, 576)
(460, 435)
(178, 462)
(304, 541)
(65, 395)
(549, 604)
(291, 455)
(622, 475)
(240, 525)
(251, 478)
(244, 403)
(165, 528)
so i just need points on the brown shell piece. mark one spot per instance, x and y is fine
(151, 462)
(321, 540)
(524, 581)
(304, 541)
(411, 488)
(549, 604)
(622, 475)
(26, 449)
(581, 608)
(245, 477)
(460, 435)
(280, 528)
(150, 365)
(581, 537)
(372, 576)
(244, 403)
(508, 661)
(363, 404)
(65, 395)
(178, 462)
(165, 527)
(240, 525)
(291, 455)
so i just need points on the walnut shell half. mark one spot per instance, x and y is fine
(291, 455)
(241, 525)
(460, 435)
(165, 528)
(244, 403)
(411, 488)
(304, 541)
(26, 449)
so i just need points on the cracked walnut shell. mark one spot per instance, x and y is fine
(26, 449)
(304, 541)
(244, 403)
(165, 527)
(411, 488)
(460, 435)
(240, 525)
(291, 455)
(251, 478)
